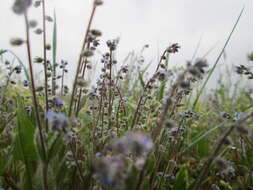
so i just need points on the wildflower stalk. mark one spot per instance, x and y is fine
(217, 60)
(10, 181)
(83, 69)
(76, 161)
(160, 125)
(160, 62)
(207, 165)
(110, 91)
(141, 176)
(62, 80)
(80, 59)
(35, 102)
(6, 86)
(45, 55)
(145, 88)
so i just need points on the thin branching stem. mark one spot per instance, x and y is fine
(45, 55)
(80, 60)
(35, 102)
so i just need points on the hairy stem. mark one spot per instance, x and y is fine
(80, 59)
(35, 102)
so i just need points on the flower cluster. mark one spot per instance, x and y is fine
(110, 171)
(173, 48)
(20, 6)
(133, 143)
(112, 44)
(57, 121)
(243, 70)
(197, 69)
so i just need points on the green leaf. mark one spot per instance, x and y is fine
(24, 148)
(2, 51)
(24, 145)
(20, 62)
(54, 51)
(87, 119)
(141, 79)
(161, 91)
(217, 60)
(202, 136)
(203, 147)
(55, 147)
(2, 164)
(182, 178)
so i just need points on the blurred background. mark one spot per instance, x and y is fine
(138, 22)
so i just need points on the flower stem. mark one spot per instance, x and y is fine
(35, 102)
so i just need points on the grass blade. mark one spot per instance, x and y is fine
(19, 61)
(217, 60)
(24, 146)
(202, 136)
(54, 52)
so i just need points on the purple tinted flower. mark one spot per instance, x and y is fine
(28, 110)
(9, 128)
(136, 143)
(57, 121)
(69, 137)
(110, 171)
(58, 102)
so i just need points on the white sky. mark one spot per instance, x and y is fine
(139, 22)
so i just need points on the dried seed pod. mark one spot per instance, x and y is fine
(87, 53)
(16, 41)
(96, 33)
(33, 23)
(38, 60)
(38, 31)
(20, 6)
(49, 18)
(98, 2)
(37, 4)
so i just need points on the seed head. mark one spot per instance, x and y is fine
(173, 48)
(57, 121)
(16, 41)
(33, 23)
(96, 33)
(81, 82)
(37, 3)
(38, 31)
(20, 6)
(49, 18)
(98, 2)
(87, 53)
(38, 60)
(243, 130)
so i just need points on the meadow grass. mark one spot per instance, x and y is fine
(131, 130)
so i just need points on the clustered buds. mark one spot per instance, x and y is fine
(33, 23)
(135, 143)
(38, 60)
(57, 121)
(98, 2)
(110, 171)
(173, 48)
(243, 70)
(197, 69)
(16, 41)
(37, 3)
(87, 53)
(112, 44)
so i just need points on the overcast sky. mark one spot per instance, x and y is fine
(139, 22)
